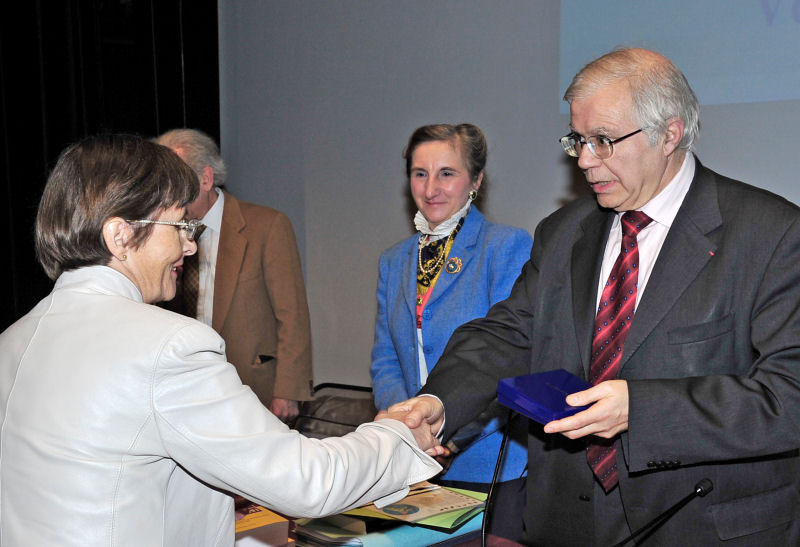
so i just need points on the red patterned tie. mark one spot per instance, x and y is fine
(611, 326)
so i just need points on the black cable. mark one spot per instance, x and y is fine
(347, 387)
(488, 507)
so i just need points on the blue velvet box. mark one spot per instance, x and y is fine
(541, 396)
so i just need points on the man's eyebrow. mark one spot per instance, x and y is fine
(602, 130)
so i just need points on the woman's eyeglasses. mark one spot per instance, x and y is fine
(191, 228)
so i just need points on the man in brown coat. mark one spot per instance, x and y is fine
(251, 288)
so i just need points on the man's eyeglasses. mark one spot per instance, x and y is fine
(600, 146)
(191, 228)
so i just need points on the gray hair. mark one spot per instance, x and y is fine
(198, 150)
(659, 90)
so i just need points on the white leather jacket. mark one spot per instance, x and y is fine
(121, 422)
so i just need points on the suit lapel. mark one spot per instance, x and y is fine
(230, 255)
(685, 253)
(462, 249)
(409, 275)
(587, 261)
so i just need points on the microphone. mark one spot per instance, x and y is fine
(700, 489)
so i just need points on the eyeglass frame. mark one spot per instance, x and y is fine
(192, 228)
(588, 142)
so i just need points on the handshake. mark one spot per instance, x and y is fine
(605, 417)
(424, 416)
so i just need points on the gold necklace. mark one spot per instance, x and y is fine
(439, 260)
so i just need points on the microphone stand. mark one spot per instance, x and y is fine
(700, 489)
(487, 508)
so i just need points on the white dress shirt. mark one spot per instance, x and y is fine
(207, 249)
(662, 209)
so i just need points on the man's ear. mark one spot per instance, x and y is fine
(207, 179)
(116, 235)
(673, 135)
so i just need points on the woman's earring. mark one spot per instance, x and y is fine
(472, 195)
(124, 257)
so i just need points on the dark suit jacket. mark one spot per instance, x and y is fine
(712, 363)
(260, 306)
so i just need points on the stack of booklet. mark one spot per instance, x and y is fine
(428, 515)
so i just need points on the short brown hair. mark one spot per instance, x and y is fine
(99, 178)
(468, 136)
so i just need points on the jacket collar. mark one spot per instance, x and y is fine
(230, 256)
(104, 279)
(686, 251)
(462, 250)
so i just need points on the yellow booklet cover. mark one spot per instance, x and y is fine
(261, 517)
(430, 505)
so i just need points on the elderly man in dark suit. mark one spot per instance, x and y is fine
(251, 288)
(702, 383)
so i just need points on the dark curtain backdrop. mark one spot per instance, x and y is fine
(71, 68)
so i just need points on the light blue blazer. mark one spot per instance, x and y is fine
(491, 258)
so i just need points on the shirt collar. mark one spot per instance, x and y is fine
(664, 207)
(213, 218)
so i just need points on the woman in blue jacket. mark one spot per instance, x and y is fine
(453, 270)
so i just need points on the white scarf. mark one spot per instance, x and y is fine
(444, 228)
